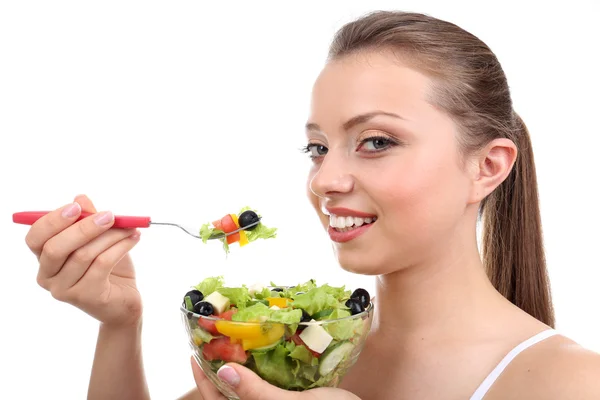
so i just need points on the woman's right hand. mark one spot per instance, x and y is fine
(86, 263)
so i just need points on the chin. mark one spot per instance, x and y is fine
(359, 261)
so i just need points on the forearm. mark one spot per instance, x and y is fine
(118, 371)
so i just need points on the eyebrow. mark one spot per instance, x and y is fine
(356, 120)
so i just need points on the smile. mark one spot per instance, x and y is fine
(345, 224)
(344, 228)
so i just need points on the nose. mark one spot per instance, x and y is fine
(332, 177)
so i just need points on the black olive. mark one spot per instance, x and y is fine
(195, 296)
(190, 315)
(362, 296)
(299, 293)
(204, 308)
(247, 218)
(354, 306)
(277, 289)
(305, 316)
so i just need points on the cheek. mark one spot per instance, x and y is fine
(424, 198)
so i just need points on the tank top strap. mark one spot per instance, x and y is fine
(496, 372)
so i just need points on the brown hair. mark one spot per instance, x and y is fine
(471, 87)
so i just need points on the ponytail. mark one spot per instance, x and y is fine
(513, 252)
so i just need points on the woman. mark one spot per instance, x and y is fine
(411, 125)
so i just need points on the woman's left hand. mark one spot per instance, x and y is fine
(249, 386)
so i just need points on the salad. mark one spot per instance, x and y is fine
(233, 222)
(297, 337)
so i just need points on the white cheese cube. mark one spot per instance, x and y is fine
(255, 288)
(219, 302)
(316, 338)
(275, 308)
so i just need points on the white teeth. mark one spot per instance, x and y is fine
(343, 223)
(349, 221)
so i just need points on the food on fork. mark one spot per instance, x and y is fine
(233, 222)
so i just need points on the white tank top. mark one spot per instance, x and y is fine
(493, 376)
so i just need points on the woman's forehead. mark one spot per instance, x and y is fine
(355, 85)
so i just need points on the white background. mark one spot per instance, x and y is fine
(185, 111)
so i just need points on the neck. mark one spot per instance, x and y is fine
(445, 295)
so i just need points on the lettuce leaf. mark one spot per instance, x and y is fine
(252, 313)
(263, 294)
(237, 296)
(317, 299)
(301, 353)
(203, 335)
(286, 316)
(209, 285)
(275, 366)
(260, 231)
(206, 231)
(343, 330)
(259, 311)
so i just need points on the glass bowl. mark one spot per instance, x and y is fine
(293, 357)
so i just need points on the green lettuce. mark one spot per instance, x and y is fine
(279, 367)
(260, 311)
(303, 287)
(209, 285)
(301, 353)
(263, 294)
(319, 299)
(346, 329)
(286, 316)
(237, 296)
(203, 335)
(260, 231)
(275, 366)
(188, 303)
(251, 313)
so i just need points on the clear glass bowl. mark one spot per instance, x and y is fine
(276, 351)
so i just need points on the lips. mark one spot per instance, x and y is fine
(346, 212)
(346, 224)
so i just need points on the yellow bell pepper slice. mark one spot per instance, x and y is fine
(251, 335)
(238, 330)
(272, 334)
(280, 302)
(243, 237)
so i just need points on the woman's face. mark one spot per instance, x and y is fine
(386, 162)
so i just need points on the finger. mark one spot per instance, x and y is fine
(86, 203)
(101, 249)
(103, 265)
(249, 386)
(207, 389)
(56, 250)
(50, 225)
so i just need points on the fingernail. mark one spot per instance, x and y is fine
(135, 235)
(72, 210)
(228, 374)
(103, 218)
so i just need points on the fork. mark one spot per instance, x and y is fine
(123, 221)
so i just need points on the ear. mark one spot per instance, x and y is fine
(491, 167)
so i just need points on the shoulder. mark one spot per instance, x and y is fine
(557, 368)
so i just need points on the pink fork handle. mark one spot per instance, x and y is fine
(121, 221)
